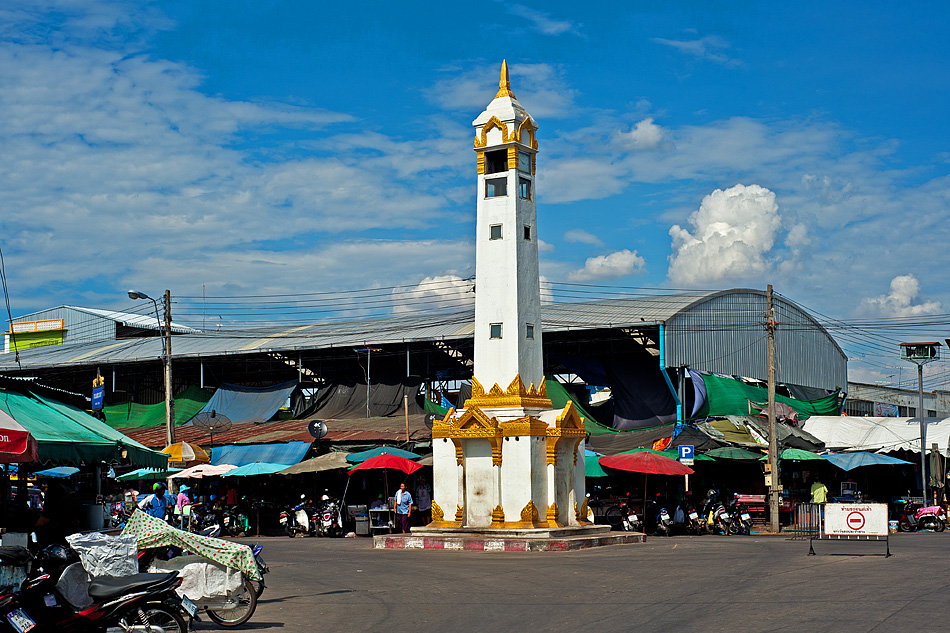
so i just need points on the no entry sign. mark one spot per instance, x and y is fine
(856, 519)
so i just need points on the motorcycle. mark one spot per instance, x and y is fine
(203, 522)
(914, 518)
(740, 520)
(261, 567)
(715, 514)
(329, 521)
(234, 522)
(664, 523)
(142, 603)
(694, 523)
(629, 519)
(301, 519)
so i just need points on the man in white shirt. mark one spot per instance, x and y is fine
(423, 502)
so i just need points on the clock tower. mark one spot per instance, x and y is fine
(507, 460)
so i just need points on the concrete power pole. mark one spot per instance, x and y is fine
(775, 488)
(169, 393)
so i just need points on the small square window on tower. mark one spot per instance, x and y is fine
(494, 330)
(524, 162)
(529, 331)
(527, 233)
(496, 187)
(494, 232)
(524, 188)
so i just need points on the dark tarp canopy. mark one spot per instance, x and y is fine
(788, 436)
(346, 399)
(613, 443)
(253, 405)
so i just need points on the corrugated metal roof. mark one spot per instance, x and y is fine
(338, 431)
(144, 321)
(399, 329)
(716, 331)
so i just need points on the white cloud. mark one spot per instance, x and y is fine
(618, 264)
(435, 293)
(545, 246)
(581, 236)
(547, 290)
(541, 21)
(733, 231)
(644, 135)
(900, 301)
(710, 47)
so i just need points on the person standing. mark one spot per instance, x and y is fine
(819, 492)
(423, 502)
(183, 506)
(403, 508)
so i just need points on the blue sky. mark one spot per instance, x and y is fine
(264, 147)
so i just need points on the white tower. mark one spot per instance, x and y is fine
(508, 460)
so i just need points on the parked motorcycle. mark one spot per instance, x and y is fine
(914, 518)
(664, 523)
(203, 521)
(740, 520)
(693, 523)
(261, 567)
(234, 522)
(715, 514)
(329, 521)
(301, 519)
(141, 603)
(629, 519)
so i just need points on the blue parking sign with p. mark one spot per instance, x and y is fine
(686, 452)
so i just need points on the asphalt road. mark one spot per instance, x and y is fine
(708, 583)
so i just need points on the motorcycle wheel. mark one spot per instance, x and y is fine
(160, 615)
(904, 525)
(939, 525)
(258, 587)
(247, 603)
(291, 532)
(613, 516)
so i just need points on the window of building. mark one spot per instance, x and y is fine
(524, 188)
(529, 332)
(494, 232)
(494, 330)
(524, 162)
(496, 161)
(527, 232)
(496, 187)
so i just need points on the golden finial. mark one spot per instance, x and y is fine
(504, 86)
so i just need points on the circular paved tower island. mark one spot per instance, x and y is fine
(507, 461)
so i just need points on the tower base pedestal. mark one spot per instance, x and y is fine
(559, 539)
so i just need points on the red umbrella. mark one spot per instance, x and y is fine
(16, 443)
(388, 461)
(646, 463)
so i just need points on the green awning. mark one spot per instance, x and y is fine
(67, 435)
(727, 396)
(130, 415)
(559, 397)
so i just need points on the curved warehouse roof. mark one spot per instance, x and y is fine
(721, 332)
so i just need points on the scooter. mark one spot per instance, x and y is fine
(629, 519)
(329, 521)
(301, 519)
(915, 518)
(141, 603)
(740, 520)
(664, 523)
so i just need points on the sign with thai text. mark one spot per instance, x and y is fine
(855, 519)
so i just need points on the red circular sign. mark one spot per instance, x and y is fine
(855, 520)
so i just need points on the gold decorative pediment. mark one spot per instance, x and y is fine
(526, 126)
(521, 427)
(516, 395)
(472, 423)
(482, 139)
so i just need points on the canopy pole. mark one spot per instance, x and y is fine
(666, 377)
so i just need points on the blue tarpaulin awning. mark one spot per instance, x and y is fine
(288, 453)
(62, 471)
(850, 461)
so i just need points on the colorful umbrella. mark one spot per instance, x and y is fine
(356, 458)
(185, 453)
(255, 468)
(147, 474)
(62, 471)
(645, 462)
(672, 453)
(204, 470)
(16, 444)
(796, 454)
(330, 461)
(388, 461)
(733, 452)
(850, 461)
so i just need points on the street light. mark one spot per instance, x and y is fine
(921, 354)
(166, 330)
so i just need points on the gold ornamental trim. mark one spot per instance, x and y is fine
(438, 518)
(471, 424)
(516, 395)
(524, 426)
(498, 517)
(581, 514)
(526, 126)
(482, 139)
(552, 516)
(437, 514)
(480, 163)
(529, 517)
(512, 157)
(504, 84)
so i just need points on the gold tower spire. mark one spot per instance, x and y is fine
(504, 85)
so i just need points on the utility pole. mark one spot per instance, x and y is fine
(774, 488)
(169, 394)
